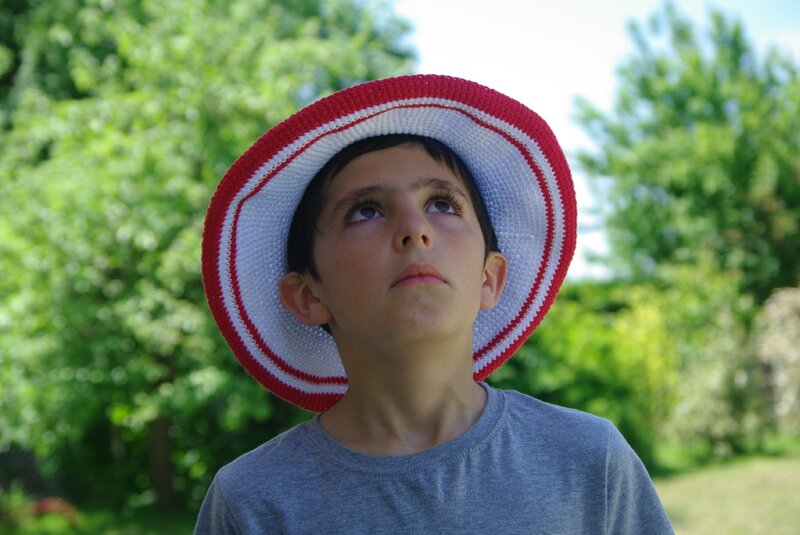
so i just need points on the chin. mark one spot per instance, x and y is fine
(425, 325)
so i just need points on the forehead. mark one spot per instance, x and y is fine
(407, 165)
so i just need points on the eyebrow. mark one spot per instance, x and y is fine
(383, 189)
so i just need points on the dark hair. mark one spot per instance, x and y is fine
(300, 244)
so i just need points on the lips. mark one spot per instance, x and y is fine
(418, 274)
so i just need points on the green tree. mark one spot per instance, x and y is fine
(698, 167)
(117, 118)
(701, 154)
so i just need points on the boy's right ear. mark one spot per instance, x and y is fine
(299, 298)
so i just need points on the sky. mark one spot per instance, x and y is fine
(547, 53)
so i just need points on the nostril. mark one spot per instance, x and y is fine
(412, 238)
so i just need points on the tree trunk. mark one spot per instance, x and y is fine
(160, 463)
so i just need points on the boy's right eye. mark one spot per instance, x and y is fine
(362, 212)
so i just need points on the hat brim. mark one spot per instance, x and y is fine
(521, 173)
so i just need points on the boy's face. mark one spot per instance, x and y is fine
(400, 252)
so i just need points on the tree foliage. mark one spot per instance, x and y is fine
(701, 154)
(698, 165)
(117, 118)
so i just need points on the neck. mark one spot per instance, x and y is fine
(407, 404)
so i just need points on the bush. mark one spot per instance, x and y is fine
(777, 342)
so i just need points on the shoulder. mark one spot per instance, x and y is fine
(561, 426)
(246, 494)
(589, 458)
(267, 461)
(561, 436)
(591, 450)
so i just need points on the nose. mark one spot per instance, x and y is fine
(412, 230)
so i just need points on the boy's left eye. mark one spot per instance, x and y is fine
(443, 206)
(446, 204)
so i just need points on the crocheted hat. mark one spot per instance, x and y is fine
(521, 173)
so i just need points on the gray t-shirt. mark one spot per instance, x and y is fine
(524, 467)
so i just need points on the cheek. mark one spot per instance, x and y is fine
(467, 244)
(347, 262)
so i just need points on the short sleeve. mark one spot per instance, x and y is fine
(215, 517)
(632, 504)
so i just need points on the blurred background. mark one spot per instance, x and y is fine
(680, 320)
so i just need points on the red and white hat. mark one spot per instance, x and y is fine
(521, 173)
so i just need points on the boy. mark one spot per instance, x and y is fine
(372, 258)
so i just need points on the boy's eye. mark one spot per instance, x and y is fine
(445, 204)
(362, 212)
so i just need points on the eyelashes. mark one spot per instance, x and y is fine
(442, 201)
(448, 201)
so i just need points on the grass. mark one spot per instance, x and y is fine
(751, 496)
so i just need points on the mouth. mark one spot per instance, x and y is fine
(418, 274)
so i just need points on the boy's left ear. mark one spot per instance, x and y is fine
(495, 270)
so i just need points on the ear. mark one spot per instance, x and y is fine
(495, 270)
(299, 298)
